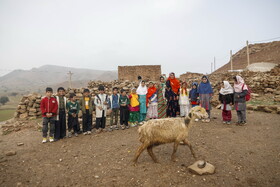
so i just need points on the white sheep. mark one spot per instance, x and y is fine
(168, 130)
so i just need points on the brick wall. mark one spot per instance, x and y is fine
(148, 72)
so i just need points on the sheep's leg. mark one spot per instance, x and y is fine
(150, 151)
(190, 146)
(138, 152)
(175, 147)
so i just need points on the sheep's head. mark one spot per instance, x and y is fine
(198, 112)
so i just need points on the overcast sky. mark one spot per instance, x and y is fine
(180, 35)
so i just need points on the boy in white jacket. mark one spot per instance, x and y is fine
(101, 103)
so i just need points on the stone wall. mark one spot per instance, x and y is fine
(148, 72)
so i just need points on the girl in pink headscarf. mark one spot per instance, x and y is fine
(240, 91)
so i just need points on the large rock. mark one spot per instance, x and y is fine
(10, 153)
(202, 168)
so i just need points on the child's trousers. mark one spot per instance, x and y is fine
(73, 123)
(60, 125)
(226, 114)
(45, 129)
(114, 114)
(87, 121)
(241, 115)
(101, 122)
(124, 115)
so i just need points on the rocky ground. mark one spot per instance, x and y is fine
(243, 156)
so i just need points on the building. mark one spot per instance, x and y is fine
(147, 72)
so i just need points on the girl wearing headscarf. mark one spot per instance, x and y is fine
(142, 92)
(205, 95)
(184, 100)
(193, 96)
(133, 108)
(240, 91)
(226, 99)
(152, 104)
(172, 101)
(161, 99)
(175, 86)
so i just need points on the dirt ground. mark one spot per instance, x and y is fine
(243, 156)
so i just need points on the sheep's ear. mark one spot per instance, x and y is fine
(190, 115)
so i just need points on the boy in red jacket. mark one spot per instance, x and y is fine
(49, 111)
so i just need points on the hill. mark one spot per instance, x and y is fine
(37, 79)
(262, 52)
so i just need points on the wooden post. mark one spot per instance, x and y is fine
(214, 64)
(248, 57)
(231, 60)
(70, 79)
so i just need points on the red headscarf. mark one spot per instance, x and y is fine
(175, 84)
(150, 93)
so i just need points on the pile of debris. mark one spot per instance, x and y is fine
(29, 107)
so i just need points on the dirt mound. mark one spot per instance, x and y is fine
(263, 52)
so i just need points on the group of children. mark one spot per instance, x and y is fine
(169, 98)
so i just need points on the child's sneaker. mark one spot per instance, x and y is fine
(127, 127)
(88, 132)
(116, 127)
(44, 140)
(224, 122)
(133, 124)
(85, 133)
(76, 134)
(196, 120)
(51, 139)
(69, 134)
(228, 122)
(141, 123)
(123, 127)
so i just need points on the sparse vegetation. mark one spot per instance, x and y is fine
(4, 100)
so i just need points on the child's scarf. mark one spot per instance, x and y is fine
(141, 90)
(205, 88)
(194, 92)
(227, 89)
(238, 86)
(175, 84)
(151, 92)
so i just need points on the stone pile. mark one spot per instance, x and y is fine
(29, 107)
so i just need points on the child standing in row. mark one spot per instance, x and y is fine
(226, 99)
(142, 92)
(133, 108)
(240, 92)
(86, 106)
(60, 123)
(49, 111)
(184, 100)
(194, 95)
(161, 99)
(115, 108)
(101, 103)
(73, 108)
(205, 95)
(172, 103)
(124, 111)
(152, 102)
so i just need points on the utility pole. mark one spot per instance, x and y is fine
(214, 64)
(248, 57)
(211, 67)
(231, 60)
(70, 79)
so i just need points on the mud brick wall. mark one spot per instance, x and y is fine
(148, 72)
